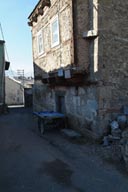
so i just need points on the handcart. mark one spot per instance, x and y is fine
(48, 120)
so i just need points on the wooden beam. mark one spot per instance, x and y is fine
(40, 11)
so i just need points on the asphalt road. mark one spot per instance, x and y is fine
(30, 163)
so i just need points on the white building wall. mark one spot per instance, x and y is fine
(14, 92)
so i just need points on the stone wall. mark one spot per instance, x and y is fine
(81, 24)
(61, 55)
(113, 58)
(91, 106)
(81, 106)
(43, 97)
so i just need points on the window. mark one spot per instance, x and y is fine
(55, 32)
(40, 42)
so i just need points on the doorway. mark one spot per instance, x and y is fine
(60, 102)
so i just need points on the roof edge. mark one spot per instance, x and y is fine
(41, 4)
(34, 9)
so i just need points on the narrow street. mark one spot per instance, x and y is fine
(52, 163)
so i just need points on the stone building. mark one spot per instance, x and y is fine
(4, 65)
(81, 61)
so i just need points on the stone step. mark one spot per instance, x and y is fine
(70, 133)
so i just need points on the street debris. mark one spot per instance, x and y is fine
(117, 137)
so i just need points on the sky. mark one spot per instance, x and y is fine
(17, 34)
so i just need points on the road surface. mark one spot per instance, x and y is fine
(52, 163)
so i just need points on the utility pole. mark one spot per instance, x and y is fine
(20, 74)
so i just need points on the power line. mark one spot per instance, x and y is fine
(20, 73)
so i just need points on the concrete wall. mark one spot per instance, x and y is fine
(14, 92)
(2, 69)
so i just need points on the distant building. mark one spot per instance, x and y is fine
(25, 81)
(4, 65)
(81, 61)
(18, 92)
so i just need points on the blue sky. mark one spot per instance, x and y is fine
(17, 34)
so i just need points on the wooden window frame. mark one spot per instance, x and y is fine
(57, 32)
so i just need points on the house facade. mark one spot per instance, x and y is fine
(80, 60)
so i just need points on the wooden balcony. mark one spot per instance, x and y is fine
(67, 77)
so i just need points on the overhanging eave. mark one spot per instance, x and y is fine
(38, 10)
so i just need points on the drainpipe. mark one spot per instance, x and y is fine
(92, 36)
(93, 26)
(75, 31)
